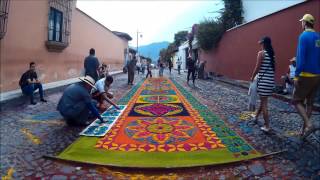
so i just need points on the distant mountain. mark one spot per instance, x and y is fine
(152, 50)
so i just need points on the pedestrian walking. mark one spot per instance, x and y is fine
(161, 68)
(91, 65)
(149, 69)
(131, 70)
(76, 104)
(307, 74)
(179, 62)
(29, 83)
(191, 63)
(143, 66)
(265, 68)
(138, 67)
(170, 65)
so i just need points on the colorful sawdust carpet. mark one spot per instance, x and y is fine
(162, 126)
(98, 128)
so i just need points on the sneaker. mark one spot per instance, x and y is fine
(264, 129)
(43, 100)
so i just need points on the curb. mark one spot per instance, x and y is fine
(16, 97)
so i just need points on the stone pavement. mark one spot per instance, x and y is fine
(25, 140)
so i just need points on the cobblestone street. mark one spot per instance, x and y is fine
(24, 140)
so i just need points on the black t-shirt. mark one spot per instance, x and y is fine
(27, 75)
(190, 63)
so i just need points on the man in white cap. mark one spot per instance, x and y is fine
(76, 104)
(307, 75)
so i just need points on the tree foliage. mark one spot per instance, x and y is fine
(231, 15)
(180, 37)
(209, 34)
(167, 53)
(210, 31)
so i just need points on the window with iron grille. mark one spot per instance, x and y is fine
(4, 10)
(55, 25)
(59, 24)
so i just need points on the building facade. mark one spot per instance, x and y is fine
(55, 35)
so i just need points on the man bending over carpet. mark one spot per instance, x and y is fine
(101, 93)
(76, 105)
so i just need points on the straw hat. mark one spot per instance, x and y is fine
(89, 80)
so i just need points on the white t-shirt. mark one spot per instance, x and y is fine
(100, 85)
(292, 71)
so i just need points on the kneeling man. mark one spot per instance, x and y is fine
(76, 105)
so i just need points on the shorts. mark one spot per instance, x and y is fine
(306, 89)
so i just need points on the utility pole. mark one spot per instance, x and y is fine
(138, 41)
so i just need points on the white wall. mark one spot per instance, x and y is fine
(254, 9)
(182, 54)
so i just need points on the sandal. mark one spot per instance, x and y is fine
(264, 129)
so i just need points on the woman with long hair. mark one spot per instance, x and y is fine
(265, 68)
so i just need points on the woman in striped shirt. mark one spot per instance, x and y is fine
(265, 69)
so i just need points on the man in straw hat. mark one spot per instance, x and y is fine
(307, 74)
(76, 104)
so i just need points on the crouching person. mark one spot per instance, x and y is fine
(76, 105)
(101, 93)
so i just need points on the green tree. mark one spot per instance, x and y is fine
(231, 15)
(167, 53)
(210, 31)
(180, 37)
(209, 34)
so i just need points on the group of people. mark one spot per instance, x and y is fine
(84, 100)
(133, 64)
(304, 74)
(80, 101)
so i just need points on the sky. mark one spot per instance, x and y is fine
(156, 21)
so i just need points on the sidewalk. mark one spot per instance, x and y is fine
(15, 95)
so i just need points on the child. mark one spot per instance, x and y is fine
(102, 94)
(253, 94)
(103, 71)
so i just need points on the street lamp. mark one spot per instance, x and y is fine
(138, 41)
